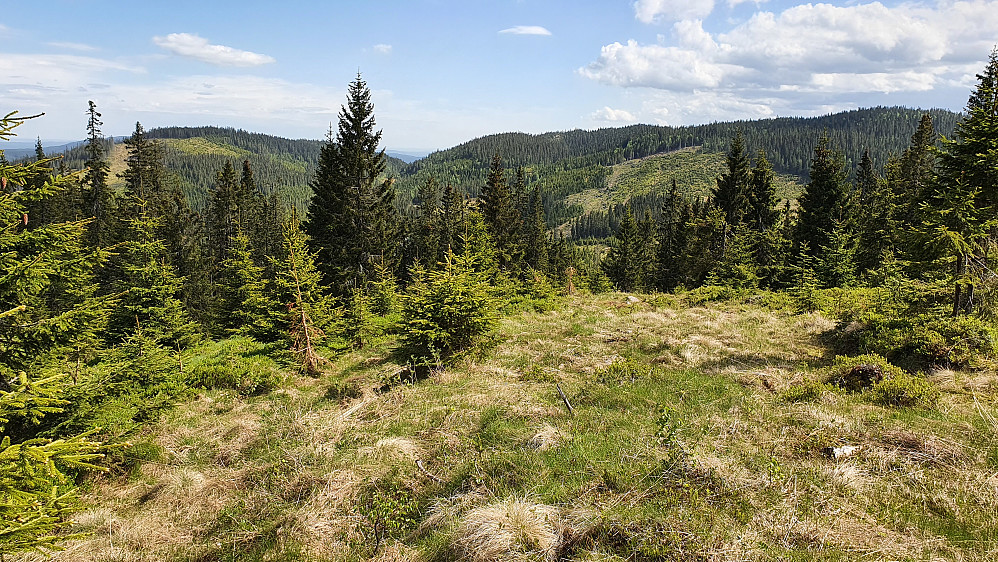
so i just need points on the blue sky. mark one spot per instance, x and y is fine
(443, 72)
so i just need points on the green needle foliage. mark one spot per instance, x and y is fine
(446, 311)
(47, 309)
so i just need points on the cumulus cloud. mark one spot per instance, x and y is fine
(196, 47)
(383, 48)
(655, 11)
(526, 30)
(806, 56)
(610, 114)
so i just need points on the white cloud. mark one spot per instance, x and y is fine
(654, 66)
(196, 47)
(610, 114)
(526, 30)
(804, 57)
(383, 48)
(656, 11)
(72, 46)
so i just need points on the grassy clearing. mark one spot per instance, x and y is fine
(698, 433)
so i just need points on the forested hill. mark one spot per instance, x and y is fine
(563, 163)
(788, 141)
(194, 155)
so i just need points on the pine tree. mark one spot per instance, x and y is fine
(352, 221)
(47, 312)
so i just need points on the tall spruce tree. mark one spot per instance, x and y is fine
(733, 191)
(960, 213)
(501, 211)
(96, 191)
(352, 220)
(825, 204)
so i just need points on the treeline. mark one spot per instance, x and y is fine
(789, 142)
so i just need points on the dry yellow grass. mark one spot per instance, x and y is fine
(742, 478)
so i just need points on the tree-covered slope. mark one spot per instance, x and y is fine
(577, 171)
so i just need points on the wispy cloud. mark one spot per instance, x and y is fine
(72, 46)
(383, 48)
(196, 47)
(526, 30)
(663, 11)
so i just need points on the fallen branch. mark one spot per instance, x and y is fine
(565, 399)
(419, 464)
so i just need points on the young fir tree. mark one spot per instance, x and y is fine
(150, 289)
(98, 196)
(352, 221)
(304, 312)
(241, 306)
(42, 325)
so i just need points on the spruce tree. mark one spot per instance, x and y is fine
(500, 209)
(825, 204)
(536, 237)
(97, 192)
(47, 313)
(241, 306)
(151, 289)
(352, 221)
(429, 244)
(762, 215)
(960, 213)
(733, 191)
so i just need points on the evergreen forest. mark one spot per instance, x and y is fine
(765, 340)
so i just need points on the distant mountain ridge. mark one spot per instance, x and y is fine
(572, 169)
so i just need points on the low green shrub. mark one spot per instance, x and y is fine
(238, 364)
(807, 391)
(711, 293)
(925, 340)
(860, 372)
(905, 391)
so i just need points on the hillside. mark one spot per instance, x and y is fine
(577, 171)
(697, 432)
